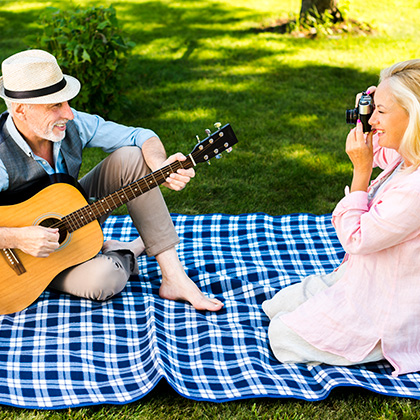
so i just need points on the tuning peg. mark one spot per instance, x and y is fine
(219, 156)
(229, 150)
(198, 138)
(217, 125)
(208, 131)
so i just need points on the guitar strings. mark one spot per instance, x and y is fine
(83, 216)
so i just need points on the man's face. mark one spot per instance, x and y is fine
(48, 122)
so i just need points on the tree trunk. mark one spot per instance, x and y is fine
(320, 5)
(317, 8)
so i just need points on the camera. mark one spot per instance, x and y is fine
(362, 112)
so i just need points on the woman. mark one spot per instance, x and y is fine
(369, 308)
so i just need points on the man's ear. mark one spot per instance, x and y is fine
(19, 111)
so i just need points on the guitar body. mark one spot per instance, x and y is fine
(56, 201)
(17, 291)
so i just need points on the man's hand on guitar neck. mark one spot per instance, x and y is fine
(177, 181)
(37, 241)
(155, 157)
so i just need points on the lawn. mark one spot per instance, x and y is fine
(198, 62)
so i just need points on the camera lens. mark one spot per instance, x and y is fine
(352, 116)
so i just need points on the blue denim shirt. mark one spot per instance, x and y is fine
(94, 132)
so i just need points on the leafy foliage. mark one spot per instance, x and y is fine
(89, 44)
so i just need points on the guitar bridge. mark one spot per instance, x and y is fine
(13, 260)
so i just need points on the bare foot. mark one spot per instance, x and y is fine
(176, 285)
(186, 289)
(136, 246)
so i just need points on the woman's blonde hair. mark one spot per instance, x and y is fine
(404, 81)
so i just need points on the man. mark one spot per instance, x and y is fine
(40, 134)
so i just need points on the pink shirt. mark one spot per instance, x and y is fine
(378, 297)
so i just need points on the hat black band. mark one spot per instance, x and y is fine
(26, 94)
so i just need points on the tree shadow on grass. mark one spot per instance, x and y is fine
(291, 130)
(14, 27)
(289, 119)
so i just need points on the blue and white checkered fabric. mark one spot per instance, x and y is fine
(66, 352)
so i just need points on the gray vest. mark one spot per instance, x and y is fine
(23, 169)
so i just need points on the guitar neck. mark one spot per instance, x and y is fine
(223, 139)
(105, 205)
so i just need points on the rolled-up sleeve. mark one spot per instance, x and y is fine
(107, 135)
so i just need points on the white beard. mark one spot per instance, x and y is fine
(48, 134)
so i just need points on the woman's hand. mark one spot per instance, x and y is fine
(360, 151)
(369, 91)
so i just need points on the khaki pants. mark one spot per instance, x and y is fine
(106, 274)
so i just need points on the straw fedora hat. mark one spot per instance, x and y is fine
(34, 77)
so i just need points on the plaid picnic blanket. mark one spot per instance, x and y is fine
(67, 352)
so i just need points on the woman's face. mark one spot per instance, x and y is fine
(389, 120)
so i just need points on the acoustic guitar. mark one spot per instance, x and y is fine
(57, 202)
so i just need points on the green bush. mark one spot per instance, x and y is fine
(89, 44)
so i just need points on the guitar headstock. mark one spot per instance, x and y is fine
(222, 139)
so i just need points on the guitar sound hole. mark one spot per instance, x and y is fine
(50, 222)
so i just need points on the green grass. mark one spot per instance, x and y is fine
(198, 62)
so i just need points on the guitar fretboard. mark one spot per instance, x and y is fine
(105, 205)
